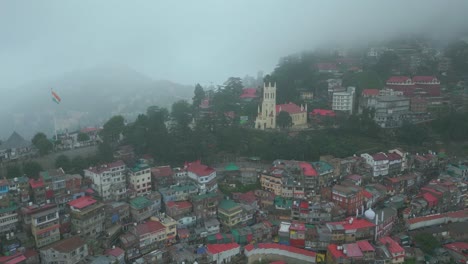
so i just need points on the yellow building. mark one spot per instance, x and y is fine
(298, 113)
(229, 213)
(266, 117)
(272, 183)
(170, 224)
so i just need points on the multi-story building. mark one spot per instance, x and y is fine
(350, 230)
(360, 252)
(44, 223)
(379, 163)
(272, 181)
(391, 111)
(396, 253)
(151, 235)
(109, 180)
(394, 163)
(178, 192)
(205, 206)
(297, 113)
(141, 208)
(325, 173)
(170, 224)
(229, 213)
(139, 178)
(203, 176)
(344, 101)
(67, 251)
(163, 176)
(313, 213)
(38, 190)
(87, 216)
(8, 218)
(349, 198)
(178, 209)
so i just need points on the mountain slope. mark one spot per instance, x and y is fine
(89, 97)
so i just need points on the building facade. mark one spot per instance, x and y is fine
(344, 101)
(139, 178)
(109, 180)
(68, 251)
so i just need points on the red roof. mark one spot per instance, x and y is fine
(17, 259)
(218, 248)
(367, 194)
(392, 245)
(370, 92)
(82, 202)
(459, 247)
(332, 248)
(116, 252)
(307, 169)
(149, 227)
(199, 169)
(356, 223)
(364, 245)
(106, 167)
(379, 156)
(354, 177)
(248, 197)
(249, 93)
(424, 218)
(179, 205)
(291, 108)
(429, 197)
(162, 171)
(424, 79)
(275, 246)
(89, 129)
(393, 156)
(398, 79)
(36, 183)
(323, 112)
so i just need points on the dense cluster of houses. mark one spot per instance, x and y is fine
(335, 210)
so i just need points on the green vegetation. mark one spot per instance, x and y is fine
(82, 137)
(13, 171)
(63, 162)
(427, 242)
(284, 120)
(41, 142)
(32, 169)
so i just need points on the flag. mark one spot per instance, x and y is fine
(55, 97)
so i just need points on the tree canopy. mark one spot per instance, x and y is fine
(284, 120)
(112, 129)
(43, 144)
(82, 137)
(32, 169)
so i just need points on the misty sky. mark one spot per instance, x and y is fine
(196, 41)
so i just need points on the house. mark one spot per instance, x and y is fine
(38, 190)
(108, 180)
(248, 198)
(324, 173)
(205, 205)
(272, 180)
(379, 163)
(298, 113)
(229, 213)
(162, 176)
(178, 192)
(326, 67)
(87, 216)
(8, 218)
(429, 84)
(350, 230)
(170, 224)
(248, 94)
(139, 177)
(404, 157)
(297, 232)
(360, 252)
(396, 253)
(203, 176)
(222, 253)
(277, 252)
(394, 163)
(349, 198)
(43, 222)
(354, 179)
(68, 251)
(344, 101)
(142, 208)
(15, 147)
(212, 226)
(458, 251)
(401, 83)
(117, 253)
(391, 110)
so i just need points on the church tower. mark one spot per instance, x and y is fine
(266, 117)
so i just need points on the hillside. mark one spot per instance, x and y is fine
(89, 98)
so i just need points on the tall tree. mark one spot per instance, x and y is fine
(199, 95)
(82, 137)
(386, 63)
(32, 169)
(78, 164)
(43, 144)
(284, 119)
(181, 113)
(234, 86)
(13, 171)
(105, 152)
(63, 162)
(113, 129)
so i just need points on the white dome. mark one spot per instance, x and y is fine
(370, 214)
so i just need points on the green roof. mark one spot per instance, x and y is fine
(8, 209)
(45, 175)
(227, 205)
(231, 167)
(283, 202)
(139, 167)
(140, 202)
(322, 167)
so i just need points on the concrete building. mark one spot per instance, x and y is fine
(344, 101)
(349, 198)
(222, 253)
(275, 252)
(139, 178)
(87, 216)
(8, 218)
(44, 223)
(391, 111)
(178, 192)
(379, 163)
(142, 208)
(109, 180)
(229, 213)
(360, 252)
(205, 206)
(266, 118)
(67, 251)
(203, 176)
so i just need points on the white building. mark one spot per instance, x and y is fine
(344, 101)
(222, 253)
(139, 178)
(203, 176)
(266, 117)
(379, 163)
(109, 180)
